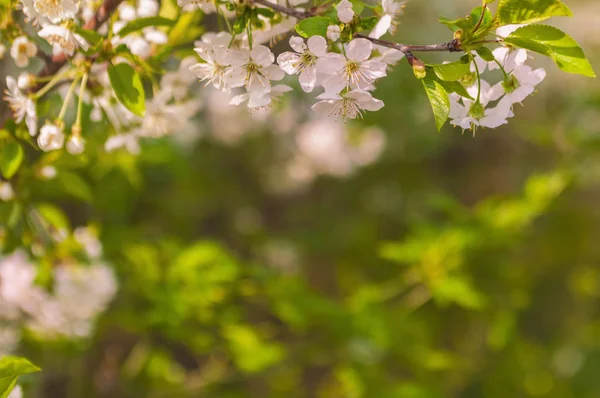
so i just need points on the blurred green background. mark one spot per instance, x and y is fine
(450, 266)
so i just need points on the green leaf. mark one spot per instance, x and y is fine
(452, 71)
(91, 36)
(529, 11)
(357, 6)
(11, 157)
(457, 24)
(10, 369)
(314, 26)
(141, 23)
(240, 23)
(456, 87)
(438, 97)
(554, 43)
(187, 28)
(367, 23)
(128, 88)
(487, 20)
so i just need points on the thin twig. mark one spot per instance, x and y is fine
(453, 46)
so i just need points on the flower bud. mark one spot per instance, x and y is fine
(333, 32)
(51, 137)
(75, 144)
(25, 80)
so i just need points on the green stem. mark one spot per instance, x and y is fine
(478, 78)
(57, 78)
(81, 93)
(68, 97)
(502, 69)
(249, 30)
(222, 14)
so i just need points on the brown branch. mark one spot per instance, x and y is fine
(452, 46)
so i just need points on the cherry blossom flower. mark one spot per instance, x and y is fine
(213, 69)
(21, 50)
(391, 10)
(350, 105)
(75, 145)
(31, 14)
(56, 10)
(51, 137)
(345, 12)
(355, 70)
(22, 106)
(130, 142)
(62, 39)
(470, 114)
(253, 69)
(304, 60)
(522, 84)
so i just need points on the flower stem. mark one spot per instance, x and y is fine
(478, 79)
(67, 101)
(81, 93)
(57, 78)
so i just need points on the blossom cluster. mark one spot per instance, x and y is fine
(78, 294)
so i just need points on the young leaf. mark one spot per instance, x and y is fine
(314, 26)
(128, 88)
(554, 43)
(485, 54)
(530, 11)
(11, 156)
(452, 71)
(10, 369)
(141, 23)
(438, 97)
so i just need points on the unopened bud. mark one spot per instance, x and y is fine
(458, 35)
(25, 81)
(418, 66)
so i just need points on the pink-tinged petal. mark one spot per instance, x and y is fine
(374, 69)
(297, 44)
(273, 72)
(521, 93)
(324, 107)
(308, 79)
(329, 96)
(11, 84)
(335, 83)
(239, 99)
(262, 56)
(258, 101)
(234, 76)
(331, 64)
(317, 45)
(365, 100)
(382, 27)
(280, 89)
(289, 62)
(237, 58)
(537, 76)
(359, 50)
(495, 92)
(258, 85)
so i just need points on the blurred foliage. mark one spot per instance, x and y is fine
(453, 267)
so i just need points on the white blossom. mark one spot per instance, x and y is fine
(354, 70)
(253, 69)
(21, 50)
(522, 84)
(304, 60)
(75, 145)
(51, 137)
(128, 141)
(212, 71)
(345, 12)
(392, 9)
(6, 191)
(469, 114)
(62, 39)
(56, 10)
(22, 106)
(333, 32)
(350, 105)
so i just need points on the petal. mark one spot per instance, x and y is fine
(235, 76)
(317, 45)
(237, 58)
(239, 99)
(289, 62)
(262, 55)
(297, 43)
(359, 49)
(308, 79)
(335, 83)
(383, 25)
(331, 64)
(273, 72)
(324, 107)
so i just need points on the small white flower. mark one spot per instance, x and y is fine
(75, 145)
(127, 141)
(350, 105)
(333, 32)
(22, 106)
(470, 114)
(62, 39)
(31, 13)
(213, 69)
(256, 102)
(6, 191)
(387, 23)
(253, 70)
(56, 10)
(509, 57)
(523, 83)
(304, 60)
(355, 70)
(51, 138)
(345, 12)
(48, 172)
(21, 50)
(25, 80)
